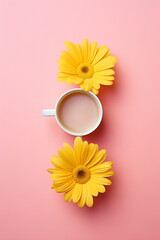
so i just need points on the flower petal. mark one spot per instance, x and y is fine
(86, 49)
(68, 195)
(98, 158)
(73, 52)
(61, 176)
(89, 198)
(101, 52)
(91, 83)
(78, 149)
(77, 80)
(107, 72)
(105, 63)
(84, 152)
(67, 80)
(103, 174)
(106, 82)
(82, 200)
(93, 51)
(99, 187)
(101, 180)
(60, 163)
(92, 149)
(92, 188)
(67, 68)
(103, 167)
(70, 79)
(96, 84)
(86, 85)
(77, 192)
(61, 171)
(50, 170)
(67, 156)
(95, 91)
(83, 85)
(65, 75)
(65, 61)
(98, 77)
(64, 187)
(79, 52)
(68, 58)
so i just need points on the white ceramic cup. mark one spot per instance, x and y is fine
(54, 112)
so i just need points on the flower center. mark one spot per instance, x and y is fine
(81, 174)
(85, 70)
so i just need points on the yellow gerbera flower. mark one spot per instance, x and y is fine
(81, 172)
(87, 65)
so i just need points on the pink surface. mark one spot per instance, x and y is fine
(32, 38)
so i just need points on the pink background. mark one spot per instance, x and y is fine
(32, 38)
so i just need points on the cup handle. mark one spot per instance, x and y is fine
(49, 112)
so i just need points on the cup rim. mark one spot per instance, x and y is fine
(99, 108)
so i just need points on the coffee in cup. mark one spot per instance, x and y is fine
(77, 112)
